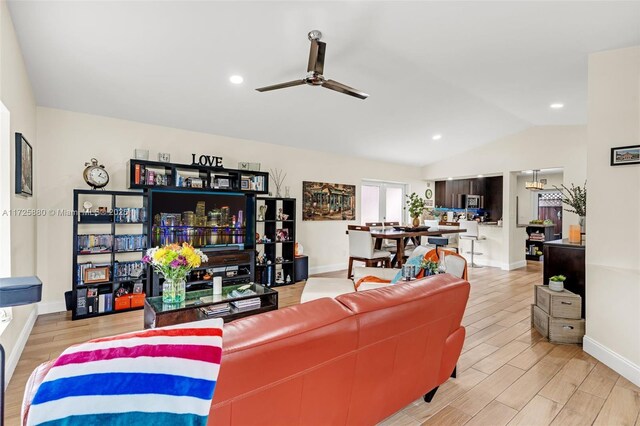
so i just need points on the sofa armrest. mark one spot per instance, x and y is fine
(384, 273)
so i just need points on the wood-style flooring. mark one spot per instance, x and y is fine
(507, 373)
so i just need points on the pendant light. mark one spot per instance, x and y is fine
(536, 185)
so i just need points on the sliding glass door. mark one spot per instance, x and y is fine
(382, 202)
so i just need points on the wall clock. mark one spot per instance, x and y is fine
(95, 175)
(428, 193)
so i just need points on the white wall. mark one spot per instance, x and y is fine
(16, 94)
(68, 139)
(613, 256)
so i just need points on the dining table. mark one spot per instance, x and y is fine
(402, 235)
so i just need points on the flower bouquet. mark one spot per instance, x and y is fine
(174, 262)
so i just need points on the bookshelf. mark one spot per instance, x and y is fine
(108, 246)
(275, 220)
(144, 174)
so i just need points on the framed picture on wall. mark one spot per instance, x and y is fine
(625, 155)
(24, 166)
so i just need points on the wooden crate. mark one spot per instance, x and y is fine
(557, 330)
(563, 330)
(558, 304)
(540, 320)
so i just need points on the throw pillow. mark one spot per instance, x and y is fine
(157, 376)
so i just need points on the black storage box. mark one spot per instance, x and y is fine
(20, 291)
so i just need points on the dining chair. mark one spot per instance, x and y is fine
(454, 264)
(387, 245)
(472, 234)
(361, 249)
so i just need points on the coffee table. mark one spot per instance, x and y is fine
(158, 314)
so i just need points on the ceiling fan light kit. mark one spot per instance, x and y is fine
(315, 69)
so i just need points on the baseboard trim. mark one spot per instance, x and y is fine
(327, 268)
(517, 265)
(613, 360)
(51, 307)
(16, 352)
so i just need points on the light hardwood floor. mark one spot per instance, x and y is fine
(507, 373)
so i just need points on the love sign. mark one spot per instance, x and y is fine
(206, 160)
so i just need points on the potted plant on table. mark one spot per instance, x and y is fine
(556, 282)
(430, 267)
(416, 207)
(175, 262)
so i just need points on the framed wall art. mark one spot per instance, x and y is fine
(24, 166)
(625, 155)
(328, 201)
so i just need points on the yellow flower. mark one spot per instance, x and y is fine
(193, 259)
(160, 254)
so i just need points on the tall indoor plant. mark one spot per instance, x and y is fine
(415, 203)
(174, 262)
(576, 198)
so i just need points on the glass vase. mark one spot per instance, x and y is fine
(582, 220)
(173, 291)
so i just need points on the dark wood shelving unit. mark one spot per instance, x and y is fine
(546, 230)
(144, 174)
(267, 274)
(109, 224)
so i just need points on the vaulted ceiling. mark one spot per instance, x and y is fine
(469, 71)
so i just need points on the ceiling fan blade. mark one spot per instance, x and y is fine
(316, 56)
(281, 85)
(342, 88)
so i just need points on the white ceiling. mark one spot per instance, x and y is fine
(471, 71)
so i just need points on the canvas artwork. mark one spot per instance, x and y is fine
(24, 166)
(328, 201)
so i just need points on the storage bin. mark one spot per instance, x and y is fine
(562, 330)
(122, 302)
(557, 330)
(558, 304)
(137, 300)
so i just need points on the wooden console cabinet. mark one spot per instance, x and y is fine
(568, 259)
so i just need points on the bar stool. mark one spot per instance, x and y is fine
(440, 242)
(472, 234)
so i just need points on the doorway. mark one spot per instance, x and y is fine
(382, 202)
(550, 208)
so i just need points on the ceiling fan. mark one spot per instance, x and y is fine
(314, 72)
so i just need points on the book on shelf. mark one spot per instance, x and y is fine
(92, 300)
(108, 302)
(81, 302)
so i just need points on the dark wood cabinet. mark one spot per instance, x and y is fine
(490, 188)
(568, 259)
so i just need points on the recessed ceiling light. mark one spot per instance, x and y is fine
(450, 178)
(480, 175)
(436, 137)
(556, 105)
(236, 79)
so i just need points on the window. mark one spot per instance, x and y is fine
(382, 202)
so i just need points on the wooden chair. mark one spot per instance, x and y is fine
(361, 249)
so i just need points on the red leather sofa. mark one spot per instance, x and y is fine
(352, 360)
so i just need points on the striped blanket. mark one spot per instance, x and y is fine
(162, 376)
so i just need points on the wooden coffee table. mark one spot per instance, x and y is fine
(158, 314)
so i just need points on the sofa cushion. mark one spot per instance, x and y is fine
(167, 374)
